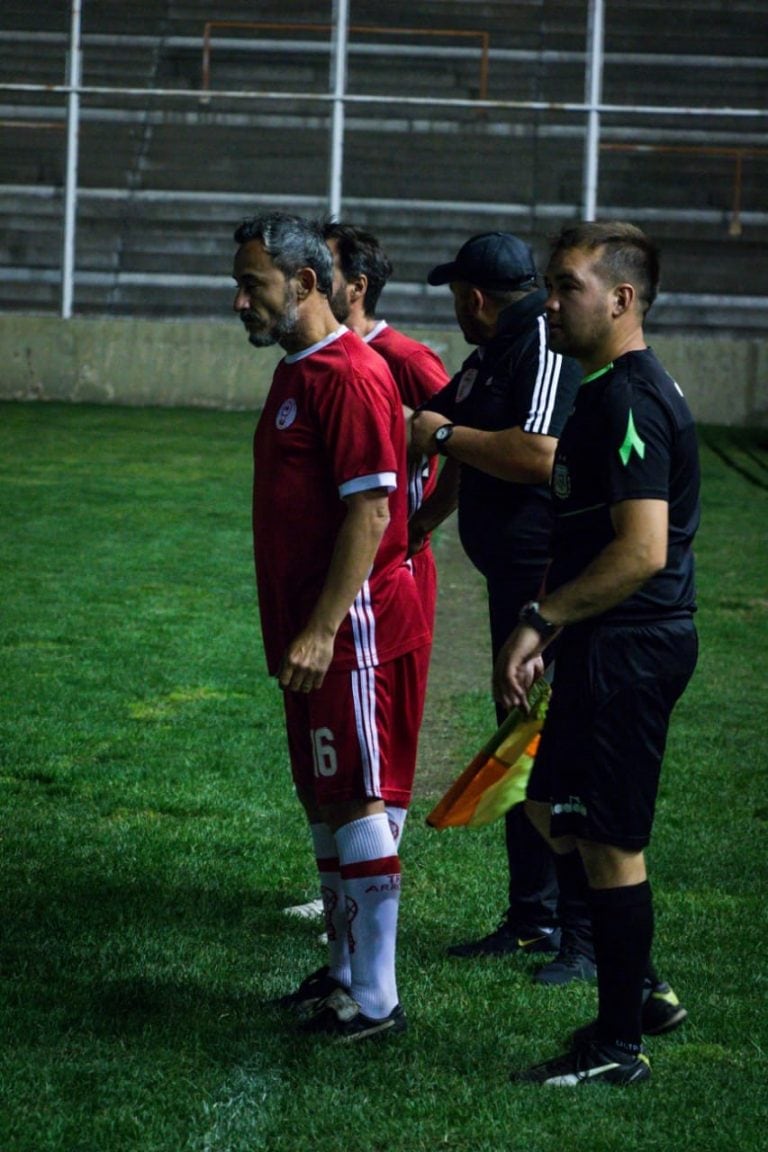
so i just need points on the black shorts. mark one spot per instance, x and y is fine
(600, 755)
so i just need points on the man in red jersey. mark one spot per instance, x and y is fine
(343, 628)
(361, 268)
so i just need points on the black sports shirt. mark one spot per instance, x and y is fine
(631, 437)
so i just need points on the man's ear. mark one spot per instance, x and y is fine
(306, 282)
(624, 297)
(475, 301)
(357, 288)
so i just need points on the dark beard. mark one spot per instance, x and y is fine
(340, 304)
(283, 326)
(261, 339)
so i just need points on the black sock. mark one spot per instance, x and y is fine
(532, 882)
(622, 923)
(652, 977)
(573, 909)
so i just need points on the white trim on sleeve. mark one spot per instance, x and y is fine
(386, 480)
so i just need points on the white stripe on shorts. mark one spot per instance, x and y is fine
(363, 622)
(364, 697)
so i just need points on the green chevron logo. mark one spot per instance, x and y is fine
(631, 440)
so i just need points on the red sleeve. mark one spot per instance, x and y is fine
(355, 415)
(420, 377)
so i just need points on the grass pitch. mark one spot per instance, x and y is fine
(150, 840)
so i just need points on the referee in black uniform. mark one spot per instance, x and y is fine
(626, 499)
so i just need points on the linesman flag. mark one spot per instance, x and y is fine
(497, 776)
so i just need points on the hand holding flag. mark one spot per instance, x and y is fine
(497, 776)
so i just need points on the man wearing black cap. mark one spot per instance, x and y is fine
(497, 423)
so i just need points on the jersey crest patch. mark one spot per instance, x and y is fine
(465, 384)
(561, 481)
(286, 414)
(632, 442)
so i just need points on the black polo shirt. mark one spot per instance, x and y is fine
(513, 381)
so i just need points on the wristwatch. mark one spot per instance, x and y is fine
(530, 615)
(442, 436)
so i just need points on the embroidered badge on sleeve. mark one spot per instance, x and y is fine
(631, 440)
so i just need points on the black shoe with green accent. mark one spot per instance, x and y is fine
(662, 1011)
(341, 1017)
(590, 1063)
(507, 939)
(310, 994)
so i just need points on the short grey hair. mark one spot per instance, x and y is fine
(293, 242)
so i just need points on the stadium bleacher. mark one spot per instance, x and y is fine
(162, 179)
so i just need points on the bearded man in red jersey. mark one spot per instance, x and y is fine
(342, 624)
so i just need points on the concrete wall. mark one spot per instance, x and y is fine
(211, 364)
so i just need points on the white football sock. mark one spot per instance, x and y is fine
(334, 902)
(370, 875)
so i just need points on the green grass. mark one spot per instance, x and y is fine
(150, 839)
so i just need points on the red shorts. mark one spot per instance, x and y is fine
(356, 737)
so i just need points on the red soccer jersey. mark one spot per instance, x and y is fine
(419, 373)
(332, 425)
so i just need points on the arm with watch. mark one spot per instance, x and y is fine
(637, 551)
(509, 454)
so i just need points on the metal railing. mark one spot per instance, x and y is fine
(592, 109)
(739, 155)
(372, 30)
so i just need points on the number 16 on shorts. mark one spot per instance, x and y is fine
(323, 752)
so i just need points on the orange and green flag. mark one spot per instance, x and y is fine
(496, 778)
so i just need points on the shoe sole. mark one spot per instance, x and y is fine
(339, 1017)
(538, 947)
(618, 1079)
(609, 1073)
(377, 1028)
(671, 1022)
(565, 978)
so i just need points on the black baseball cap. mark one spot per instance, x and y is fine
(490, 260)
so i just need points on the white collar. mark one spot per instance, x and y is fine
(374, 332)
(294, 356)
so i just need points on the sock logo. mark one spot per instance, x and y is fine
(390, 884)
(352, 910)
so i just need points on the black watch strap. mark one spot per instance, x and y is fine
(442, 436)
(531, 615)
